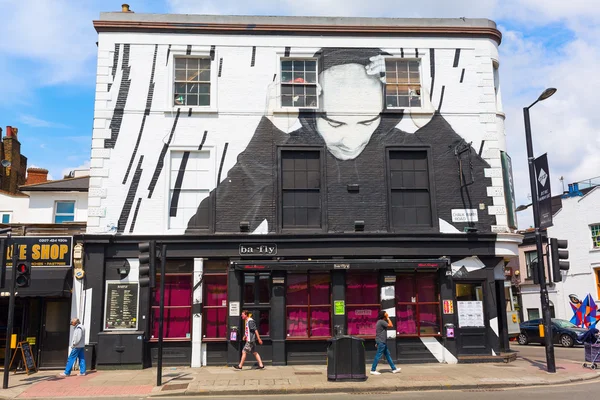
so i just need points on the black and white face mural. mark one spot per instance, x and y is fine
(350, 149)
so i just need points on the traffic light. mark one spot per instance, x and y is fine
(23, 279)
(558, 257)
(147, 258)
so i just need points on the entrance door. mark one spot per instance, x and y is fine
(55, 333)
(472, 323)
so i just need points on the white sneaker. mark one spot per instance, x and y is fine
(395, 371)
(375, 373)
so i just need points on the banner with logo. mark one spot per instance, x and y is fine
(509, 190)
(544, 195)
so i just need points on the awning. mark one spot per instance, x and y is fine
(326, 265)
(45, 282)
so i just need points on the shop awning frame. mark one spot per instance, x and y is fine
(341, 264)
(45, 282)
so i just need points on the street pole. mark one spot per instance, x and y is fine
(11, 312)
(163, 262)
(550, 364)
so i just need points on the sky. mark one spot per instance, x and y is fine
(48, 66)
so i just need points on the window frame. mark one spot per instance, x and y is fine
(417, 305)
(595, 243)
(205, 307)
(309, 306)
(349, 305)
(297, 57)
(57, 214)
(257, 306)
(3, 213)
(213, 151)
(170, 105)
(528, 261)
(322, 189)
(422, 96)
(432, 190)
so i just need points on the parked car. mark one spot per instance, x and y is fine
(563, 332)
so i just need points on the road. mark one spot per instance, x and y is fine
(538, 352)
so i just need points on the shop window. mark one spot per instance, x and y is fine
(215, 306)
(257, 299)
(177, 322)
(5, 218)
(64, 211)
(417, 305)
(410, 193)
(595, 229)
(597, 274)
(530, 257)
(301, 189)
(362, 299)
(308, 307)
(533, 313)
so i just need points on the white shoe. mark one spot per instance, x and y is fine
(395, 371)
(375, 373)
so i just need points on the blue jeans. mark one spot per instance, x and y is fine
(75, 354)
(381, 350)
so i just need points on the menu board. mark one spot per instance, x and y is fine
(29, 363)
(470, 314)
(121, 306)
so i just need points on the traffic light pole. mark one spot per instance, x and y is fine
(11, 312)
(550, 363)
(163, 262)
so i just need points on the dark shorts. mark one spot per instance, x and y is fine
(250, 347)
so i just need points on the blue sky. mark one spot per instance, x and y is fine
(48, 55)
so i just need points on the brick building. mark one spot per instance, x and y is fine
(312, 170)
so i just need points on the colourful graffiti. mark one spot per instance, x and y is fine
(585, 313)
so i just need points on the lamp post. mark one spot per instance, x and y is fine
(550, 364)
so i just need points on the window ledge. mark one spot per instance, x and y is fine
(195, 110)
(408, 110)
(293, 110)
(595, 250)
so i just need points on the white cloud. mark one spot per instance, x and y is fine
(35, 122)
(67, 171)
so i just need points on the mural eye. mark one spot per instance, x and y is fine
(366, 123)
(333, 123)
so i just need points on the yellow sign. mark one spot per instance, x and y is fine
(514, 318)
(13, 341)
(42, 251)
(541, 328)
(31, 340)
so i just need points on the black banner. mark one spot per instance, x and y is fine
(544, 195)
(54, 251)
(121, 306)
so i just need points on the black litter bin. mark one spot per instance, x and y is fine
(346, 359)
(90, 356)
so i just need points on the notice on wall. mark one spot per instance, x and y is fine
(464, 215)
(470, 314)
(121, 306)
(448, 306)
(234, 308)
(339, 307)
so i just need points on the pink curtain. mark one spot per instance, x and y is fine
(177, 323)
(427, 287)
(297, 322)
(406, 321)
(320, 323)
(362, 320)
(405, 288)
(361, 289)
(429, 319)
(178, 291)
(297, 290)
(216, 291)
(319, 289)
(215, 323)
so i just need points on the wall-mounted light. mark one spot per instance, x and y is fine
(359, 226)
(244, 226)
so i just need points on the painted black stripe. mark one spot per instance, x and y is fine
(189, 50)
(135, 214)
(274, 76)
(161, 158)
(222, 161)
(220, 66)
(130, 196)
(441, 98)
(456, 58)
(432, 70)
(146, 113)
(402, 52)
(168, 53)
(253, 60)
(115, 59)
(117, 119)
(212, 52)
(386, 304)
(287, 51)
(481, 148)
(178, 182)
(417, 53)
(462, 75)
(203, 140)
(190, 112)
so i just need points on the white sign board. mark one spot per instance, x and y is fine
(470, 314)
(234, 308)
(465, 215)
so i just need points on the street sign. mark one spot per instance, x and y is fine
(544, 195)
(509, 190)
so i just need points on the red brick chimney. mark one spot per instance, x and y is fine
(36, 175)
(13, 176)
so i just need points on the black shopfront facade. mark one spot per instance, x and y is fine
(302, 290)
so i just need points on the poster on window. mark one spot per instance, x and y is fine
(121, 306)
(470, 314)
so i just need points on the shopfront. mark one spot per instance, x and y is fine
(43, 309)
(440, 309)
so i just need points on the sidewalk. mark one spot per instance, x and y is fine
(290, 379)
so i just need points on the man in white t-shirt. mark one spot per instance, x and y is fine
(251, 336)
